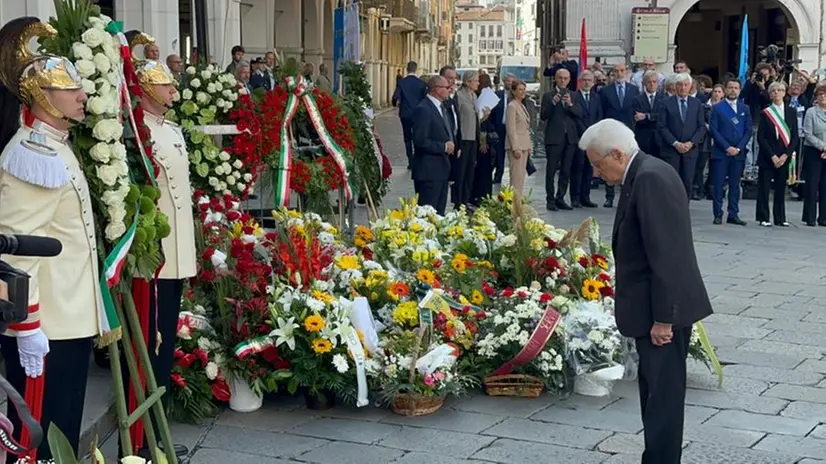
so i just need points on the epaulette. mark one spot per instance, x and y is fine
(36, 163)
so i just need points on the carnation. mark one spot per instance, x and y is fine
(82, 51)
(102, 63)
(195, 83)
(85, 68)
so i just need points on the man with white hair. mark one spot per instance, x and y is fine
(654, 305)
(682, 127)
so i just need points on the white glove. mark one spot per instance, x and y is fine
(33, 348)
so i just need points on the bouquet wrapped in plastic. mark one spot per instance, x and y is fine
(594, 348)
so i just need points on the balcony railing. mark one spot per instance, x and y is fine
(395, 8)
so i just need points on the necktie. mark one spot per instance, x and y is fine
(621, 93)
(447, 118)
(683, 109)
(651, 101)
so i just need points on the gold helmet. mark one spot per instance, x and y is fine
(149, 72)
(25, 73)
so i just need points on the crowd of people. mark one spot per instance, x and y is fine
(772, 123)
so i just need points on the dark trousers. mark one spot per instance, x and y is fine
(662, 382)
(407, 132)
(724, 168)
(466, 166)
(500, 158)
(166, 315)
(560, 157)
(433, 193)
(483, 174)
(610, 192)
(774, 179)
(814, 190)
(702, 182)
(581, 173)
(66, 370)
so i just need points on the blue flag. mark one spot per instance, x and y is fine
(744, 51)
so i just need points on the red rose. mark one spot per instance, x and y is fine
(507, 293)
(583, 261)
(604, 277)
(233, 215)
(206, 255)
(206, 276)
(545, 297)
(488, 289)
(178, 380)
(220, 390)
(480, 315)
(606, 291)
(179, 353)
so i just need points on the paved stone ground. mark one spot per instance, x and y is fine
(769, 328)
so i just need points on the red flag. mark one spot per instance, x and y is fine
(583, 50)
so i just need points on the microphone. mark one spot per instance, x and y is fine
(29, 245)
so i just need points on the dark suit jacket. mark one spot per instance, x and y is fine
(453, 115)
(497, 114)
(672, 128)
(769, 140)
(657, 276)
(260, 79)
(591, 112)
(430, 133)
(614, 109)
(409, 93)
(561, 121)
(646, 130)
(725, 133)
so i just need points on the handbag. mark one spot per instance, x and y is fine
(529, 166)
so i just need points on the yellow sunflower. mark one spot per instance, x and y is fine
(321, 345)
(314, 323)
(426, 276)
(476, 297)
(324, 297)
(459, 263)
(590, 289)
(348, 262)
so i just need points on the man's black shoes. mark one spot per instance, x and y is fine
(718, 221)
(736, 221)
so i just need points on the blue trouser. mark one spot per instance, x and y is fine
(500, 157)
(731, 168)
(407, 132)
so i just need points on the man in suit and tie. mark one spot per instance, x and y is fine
(450, 74)
(645, 107)
(434, 142)
(561, 115)
(730, 127)
(581, 171)
(617, 100)
(682, 127)
(498, 118)
(409, 93)
(654, 305)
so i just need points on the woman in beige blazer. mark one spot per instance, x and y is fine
(518, 143)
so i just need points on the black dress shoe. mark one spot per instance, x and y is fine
(608, 204)
(576, 205)
(696, 196)
(811, 224)
(718, 221)
(551, 207)
(563, 206)
(821, 223)
(589, 204)
(736, 221)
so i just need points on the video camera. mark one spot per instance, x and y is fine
(15, 308)
(773, 55)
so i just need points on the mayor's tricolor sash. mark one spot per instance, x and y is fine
(779, 124)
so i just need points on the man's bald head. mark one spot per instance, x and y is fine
(438, 87)
(174, 63)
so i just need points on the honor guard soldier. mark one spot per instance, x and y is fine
(169, 153)
(43, 191)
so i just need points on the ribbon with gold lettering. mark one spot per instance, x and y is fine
(539, 338)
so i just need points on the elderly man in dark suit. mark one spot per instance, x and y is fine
(497, 117)
(408, 94)
(654, 305)
(561, 114)
(682, 127)
(434, 143)
(617, 100)
(581, 172)
(645, 107)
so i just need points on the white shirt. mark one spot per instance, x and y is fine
(628, 166)
(505, 112)
(436, 102)
(732, 104)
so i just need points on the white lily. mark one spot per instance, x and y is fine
(284, 332)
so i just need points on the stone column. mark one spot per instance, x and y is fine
(11, 9)
(314, 31)
(810, 55)
(224, 24)
(604, 25)
(288, 22)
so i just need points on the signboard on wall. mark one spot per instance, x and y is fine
(650, 34)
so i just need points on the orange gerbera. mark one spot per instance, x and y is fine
(397, 290)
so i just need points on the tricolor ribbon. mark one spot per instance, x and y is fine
(539, 338)
(298, 90)
(253, 346)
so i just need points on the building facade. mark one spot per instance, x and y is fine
(704, 33)
(483, 34)
(527, 34)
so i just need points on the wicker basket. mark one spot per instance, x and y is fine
(526, 386)
(412, 404)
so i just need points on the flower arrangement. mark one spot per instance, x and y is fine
(593, 341)
(515, 315)
(197, 380)
(209, 96)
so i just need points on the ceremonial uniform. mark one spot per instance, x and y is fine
(43, 192)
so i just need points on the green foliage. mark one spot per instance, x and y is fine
(355, 81)
(59, 445)
(69, 22)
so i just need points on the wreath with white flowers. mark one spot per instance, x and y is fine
(207, 97)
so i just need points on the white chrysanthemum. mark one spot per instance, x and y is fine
(340, 363)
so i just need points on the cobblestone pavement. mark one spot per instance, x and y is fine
(769, 327)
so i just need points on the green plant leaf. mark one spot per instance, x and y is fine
(59, 445)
